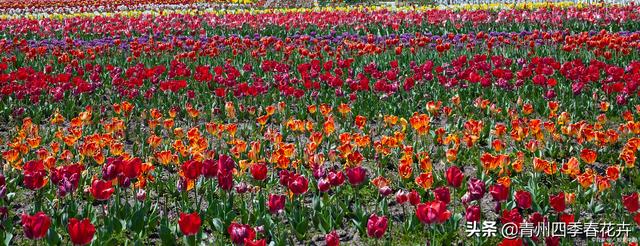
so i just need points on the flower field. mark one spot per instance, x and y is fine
(151, 122)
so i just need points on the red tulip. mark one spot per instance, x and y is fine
(132, 168)
(557, 202)
(34, 175)
(442, 194)
(523, 199)
(276, 203)
(35, 226)
(189, 223)
(476, 189)
(225, 180)
(298, 184)
(191, 169)
(259, 171)
(631, 202)
(81, 231)
(377, 226)
(101, 190)
(536, 218)
(240, 232)
(566, 218)
(324, 185)
(432, 212)
(356, 175)
(472, 213)
(499, 192)
(209, 168)
(402, 197)
(511, 216)
(283, 177)
(637, 218)
(454, 176)
(414, 197)
(332, 239)
(335, 178)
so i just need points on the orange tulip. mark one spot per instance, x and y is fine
(571, 168)
(425, 180)
(404, 171)
(588, 156)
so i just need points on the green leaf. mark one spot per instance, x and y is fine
(166, 235)
(137, 220)
(217, 223)
(7, 238)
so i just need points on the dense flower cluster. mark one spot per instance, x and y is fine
(350, 125)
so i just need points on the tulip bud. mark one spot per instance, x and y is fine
(141, 195)
(242, 188)
(385, 191)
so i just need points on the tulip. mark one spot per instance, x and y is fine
(631, 202)
(356, 175)
(81, 231)
(225, 164)
(209, 168)
(472, 213)
(499, 192)
(191, 169)
(324, 185)
(101, 190)
(259, 171)
(336, 178)
(433, 212)
(34, 175)
(402, 197)
(385, 191)
(511, 216)
(35, 226)
(523, 199)
(240, 232)
(414, 197)
(298, 184)
(242, 188)
(332, 239)
(454, 176)
(276, 203)
(225, 181)
(442, 194)
(566, 218)
(189, 223)
(283, 176)
(141, 195)
(476, 189)
(376, 226)
(133, 168)
(536, 219)
(557, 202)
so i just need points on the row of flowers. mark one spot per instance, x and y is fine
(409, 20)
(282, 165)
(12, 6)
